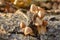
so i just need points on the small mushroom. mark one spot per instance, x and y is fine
(28, 31)
(55, 6)
(38, 21)
(33, 8)
(38, 29)
(36, 9)
(44, 23)
(2, 31)
(22, 25)
(37, 24)
(41, 25)
(43, 30)
(41, 12)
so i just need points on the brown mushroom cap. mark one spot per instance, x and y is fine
(34, 8)
(44, 23)
(41, 12)
(2, 31)
(22, 25)
(28, 31)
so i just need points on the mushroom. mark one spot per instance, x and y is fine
(44, 23)
(22, 25)
(41, 12)
(33, 8)
(37, 10)
(41, 25)
(28, 31)
(2, 31)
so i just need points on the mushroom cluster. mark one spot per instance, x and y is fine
(37, 20)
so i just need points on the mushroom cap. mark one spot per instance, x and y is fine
(41, 12)
(34, 8)
(22, 25)
(28, 31)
